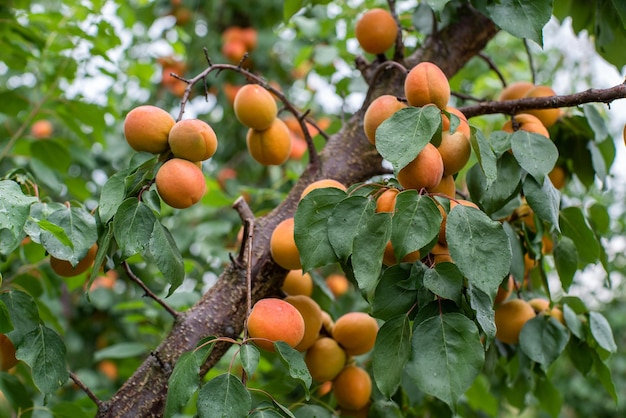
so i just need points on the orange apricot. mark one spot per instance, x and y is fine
(446, 186)
(558, 177)
(147, 127)
(542, 307)
(312, 315)
(510, 317)
(381, 108)
(65, 269)
(376, 31)
(547, 116)
(355, 332)
(504, 291)
(337, 283)
(109, 369)
(7, 353)
(455, 150)
(273, 319)
(271, 146)
(352, 388)
(463, 202)
(180, 183)
(319, 184)
(515, 90)
(283, 246)
(425, 171)
(426, 84)
(389, 257)
(441, 254)
(41, 129)
(325, 359)
(526, 122)
(386, 201)
(255, 107)
(234, 50)
(463, 123)
(298, 283)
(193, 140)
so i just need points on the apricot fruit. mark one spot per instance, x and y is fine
(234, 50)
(65, 269)
(455, 150)
(542, 307)
(381, 109)
(425, 171)
(298, 283)
(147, 128)
(338, 284)
(558, 177)
(271, 146)
(193, 140)
(180, 183)
(325, 359)
(255, 107)
(526, 122)
(389, 257)
(441, 254)
(355, 332)
(463, 123)
(41, 129)
(283, 246)
(273, 319)
(426, 84)
(386, 201)
(547, 116)
(319, 184)
(515, 90)
(376, 31)
(312, 315)
(327, 323)
(445, 187)
(109, 369)
(510, 317)
(504, 291)
(7, 353)
(352, 388)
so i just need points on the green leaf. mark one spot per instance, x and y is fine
(485, 155)
(446, 356)
(535, 153)
(566, 261)
(599, 218)
(5, 319)
(296, 365)
(517, 252)
(415, 223)
(402, 136)
(574, 226)
(445, 280)
(14, 211)
(291, 7)
(601, 331)
(43, 350)
(120, 351)
(313, 411)
(503, 189)
(80, 228)
(249, 356)
(550, 399)
(57, 231)
(348, 217)
(164, 251)
(604, 374)
(369, 246)
(479, 247)
(132, 226)
(311, 227)
(544, 200)
(391, 354)
(482, 304)
(385, 408)
(572, 322)
(224, 397)
(521, 18)
(112, 195)
(391, 299)
(185, 379)
(543, 339)
(23, 312)
(480, 397)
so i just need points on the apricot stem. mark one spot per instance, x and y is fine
(533, 72)
(148, 292)
(493, 66)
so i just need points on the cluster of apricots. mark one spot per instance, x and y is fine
(327, 346)
(171, 65)
(268, 138)
(236, 41)
(298, 282)
(179, 180)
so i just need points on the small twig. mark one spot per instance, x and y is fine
(531, 64)
(398, 53)
(245, 253)
(467, 97)
(493, 66)
(85, 389)
(149, 293)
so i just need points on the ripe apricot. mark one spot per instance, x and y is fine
(441, 254)
(425, 171)
(337, 283)
(65, 269)
(386, 201)
(325, 359)
(504, 291)
(389, 257)
(271, 146)
(542, 307)
(355, 332)
(558, 177)
(147, 127)
(298, 148)
(381, 108)
(510, 317)
(180, 183)
(446, 186)
(455, 150)
(193, 140)
(376, 31)
(327, 323)
(109, 369)
(319, 184)
(463, 202)
(515, 90)
(426, 84)
(255, 107)
(547, 116)
(547, 246)
(234, 50)
(298, 283)
(526, 122)
(312, 315)
(463, 123)
(274, 320)
(7, 353)
(283, 246)
(41, 129)
(352, 388)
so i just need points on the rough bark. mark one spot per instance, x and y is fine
(347, 157)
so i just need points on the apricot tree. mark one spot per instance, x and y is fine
(176, 207)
